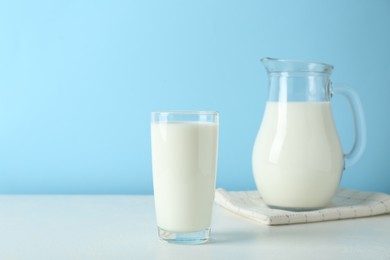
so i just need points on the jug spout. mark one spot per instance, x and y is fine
(298, 81)
(283, 65)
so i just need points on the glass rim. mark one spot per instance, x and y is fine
(185, 112)
(291, 65)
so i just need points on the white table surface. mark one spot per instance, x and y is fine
(123, 227)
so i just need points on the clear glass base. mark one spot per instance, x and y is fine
(184, 238)
(294, 209)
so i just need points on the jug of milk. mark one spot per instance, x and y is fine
(297, 156)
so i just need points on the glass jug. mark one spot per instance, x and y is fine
(297, 156)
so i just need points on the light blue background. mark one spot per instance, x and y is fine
(78, 80)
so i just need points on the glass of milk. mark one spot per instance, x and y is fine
(184, 162)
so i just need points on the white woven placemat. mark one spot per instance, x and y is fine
(345, 204)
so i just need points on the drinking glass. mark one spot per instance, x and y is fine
(184, 162)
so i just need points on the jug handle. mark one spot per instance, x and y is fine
(359, 124)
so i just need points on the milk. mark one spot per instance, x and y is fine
(297, 157)
(184, 157)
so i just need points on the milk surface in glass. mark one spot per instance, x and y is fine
(297, 153)
(184, 157)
